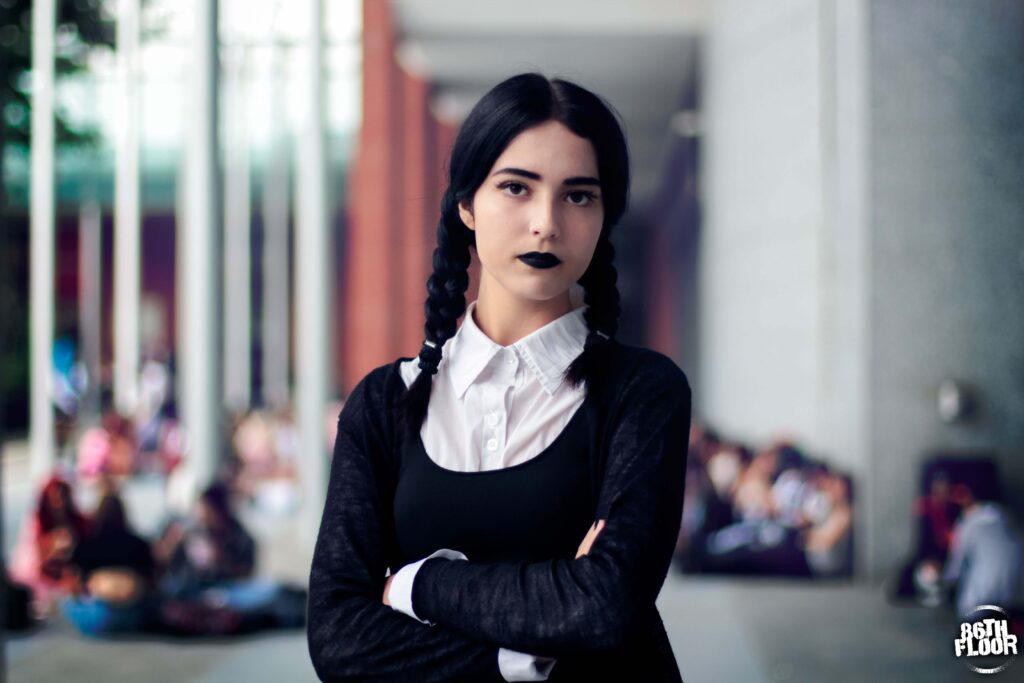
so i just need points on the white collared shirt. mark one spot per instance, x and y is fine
(491, 407)
(494, 406)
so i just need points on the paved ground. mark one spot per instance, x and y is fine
(721, 630)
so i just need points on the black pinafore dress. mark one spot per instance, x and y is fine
(537, 510)
(532, 512)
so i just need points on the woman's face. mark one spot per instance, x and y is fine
(207, 515)
(541, 196)
(57, 498)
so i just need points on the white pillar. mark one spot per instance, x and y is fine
(127, 213)
(274, 327)
(237, 244)
(90, 264)
(848, 243)
(311, 266)
(198, 270)
(42, 225)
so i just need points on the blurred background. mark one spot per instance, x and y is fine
(217, 216)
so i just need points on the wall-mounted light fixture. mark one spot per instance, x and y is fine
(956, 401)
(685, 123)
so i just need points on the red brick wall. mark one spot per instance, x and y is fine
(396, 189)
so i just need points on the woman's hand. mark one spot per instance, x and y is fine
(589, 539)
(56, 544)
(387, 587)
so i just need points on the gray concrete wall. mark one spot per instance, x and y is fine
(863, 238)
(784, 343)
(947, 196)
(759, 262)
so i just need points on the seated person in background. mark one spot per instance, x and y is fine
(209, 563)
(108, 449)
(707, 503)
(113, 572)
(798, 526)
(46, 542)
(211, 548)
(752, 495)
(919, 577)
(829, 513)
(986, 556)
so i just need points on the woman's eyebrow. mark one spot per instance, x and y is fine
(581, 180)
(574, 180)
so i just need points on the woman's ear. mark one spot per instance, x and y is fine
(466, 214)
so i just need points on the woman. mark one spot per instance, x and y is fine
(522, 479)
(211, 549)
(46, 542)
(114, 574)
(209, 581)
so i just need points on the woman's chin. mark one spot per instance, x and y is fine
(539, 295)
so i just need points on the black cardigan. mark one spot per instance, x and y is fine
(595, 614)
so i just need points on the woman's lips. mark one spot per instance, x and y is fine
(537, 259)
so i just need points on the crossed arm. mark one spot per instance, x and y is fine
(553, 608)
(352, 636)
(564, 607)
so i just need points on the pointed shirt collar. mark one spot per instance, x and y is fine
(547, 351)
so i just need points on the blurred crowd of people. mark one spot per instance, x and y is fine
(778, 512)
(195, 577)
(770, 512)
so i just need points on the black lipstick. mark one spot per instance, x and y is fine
(538, 259)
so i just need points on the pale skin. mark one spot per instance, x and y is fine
(541, 195)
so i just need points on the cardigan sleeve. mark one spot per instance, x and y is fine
(563, 607)
(351, 634)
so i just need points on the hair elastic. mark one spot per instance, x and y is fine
(596, 337)
(430, 356)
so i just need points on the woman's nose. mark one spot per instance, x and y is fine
(544, 221)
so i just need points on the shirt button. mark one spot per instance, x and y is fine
(492, 419)
(492, 444)
(510, 358)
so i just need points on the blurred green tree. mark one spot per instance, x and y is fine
(81, 26)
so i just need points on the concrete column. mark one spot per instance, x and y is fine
(312, 254)
(90, 310)
(945, 248)
(198, 276)
(42, 221)
(844, 427)
(127, 213)
(237, 262)
(274, 320)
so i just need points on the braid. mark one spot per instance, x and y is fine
(601, 293)
(602, 315)
(446, 302)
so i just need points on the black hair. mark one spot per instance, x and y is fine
(217, 498)
(508, 109)
(109, 517)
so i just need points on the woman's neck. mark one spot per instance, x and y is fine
(506, 320)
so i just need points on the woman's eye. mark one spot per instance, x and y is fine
(581, 198)
(514, 189)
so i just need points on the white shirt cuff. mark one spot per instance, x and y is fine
(519, 666)
(400, 592)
